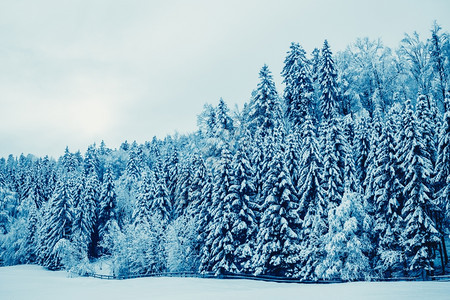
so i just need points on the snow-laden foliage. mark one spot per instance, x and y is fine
(342, 178)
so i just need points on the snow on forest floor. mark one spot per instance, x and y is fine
(34, 282)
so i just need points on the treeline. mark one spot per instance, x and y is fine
(346, 175)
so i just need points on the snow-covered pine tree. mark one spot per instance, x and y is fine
(329, 101)
(362, 149)
(183, 189)
(85, 222)
(442, 179)
(160, 205)
(420, 235)
(264, 112)
(107, 206)
(298, 93)
(388, 200)
(242, 216)
(142, 213)
(277, 241)
(345, 243)
(218, 250)
(57, 225)
(334, 150)
(312, 206)
(293, 158)
(224, 123)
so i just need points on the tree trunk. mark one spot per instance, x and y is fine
(442, 258)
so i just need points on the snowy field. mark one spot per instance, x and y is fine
(34, 282)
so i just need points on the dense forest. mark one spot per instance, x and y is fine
(343, 175)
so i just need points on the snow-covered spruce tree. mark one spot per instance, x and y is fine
(107, 206)
(362, 148)
(329, 101)
(242, 216)
(277, 241)
(427, 127)
(85, 222)
(345, 243)
(92, 163)
(224, 123)
(298, 93)
(145, 198)
(420, 234)
(293, 158)
(372, 166)
(160, 204)
(182, 192)
(56, 226)
(218, 251)
(264, 112)
(387, 200)
(442, 179)
(312, 206)
(334, 151)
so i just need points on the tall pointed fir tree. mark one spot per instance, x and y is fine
(264, 112)
(278, 245)
(242, 216)
(224, 123)
(420, 235)
(329, 101)
(312, 206)
(57, 225)
(107, 216)
(182, 190)
(218, 251)
(293, 158)
(160, 204)
(362, 149)
(298, 94)
(334, 151)
(85, 225)
(388, 200)
(442, 179)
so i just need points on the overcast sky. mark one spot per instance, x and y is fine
(78, 72)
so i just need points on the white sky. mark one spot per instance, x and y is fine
(76, 72)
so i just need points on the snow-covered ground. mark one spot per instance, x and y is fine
(34, 282)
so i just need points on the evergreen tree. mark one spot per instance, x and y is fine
(107, 205)
(329, 101)
(57, 225)
(334, 150)
(265, 109)
(278, 249)
(160, 204)
(298, 93)
(85, 223)
(442, 179)
(312, 209)
(145, 197)
(388, 204)
(218, 251)
(362, 147)
(420, 234)
(242, 217)
(224, 123)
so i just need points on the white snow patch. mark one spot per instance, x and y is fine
(34, 282)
